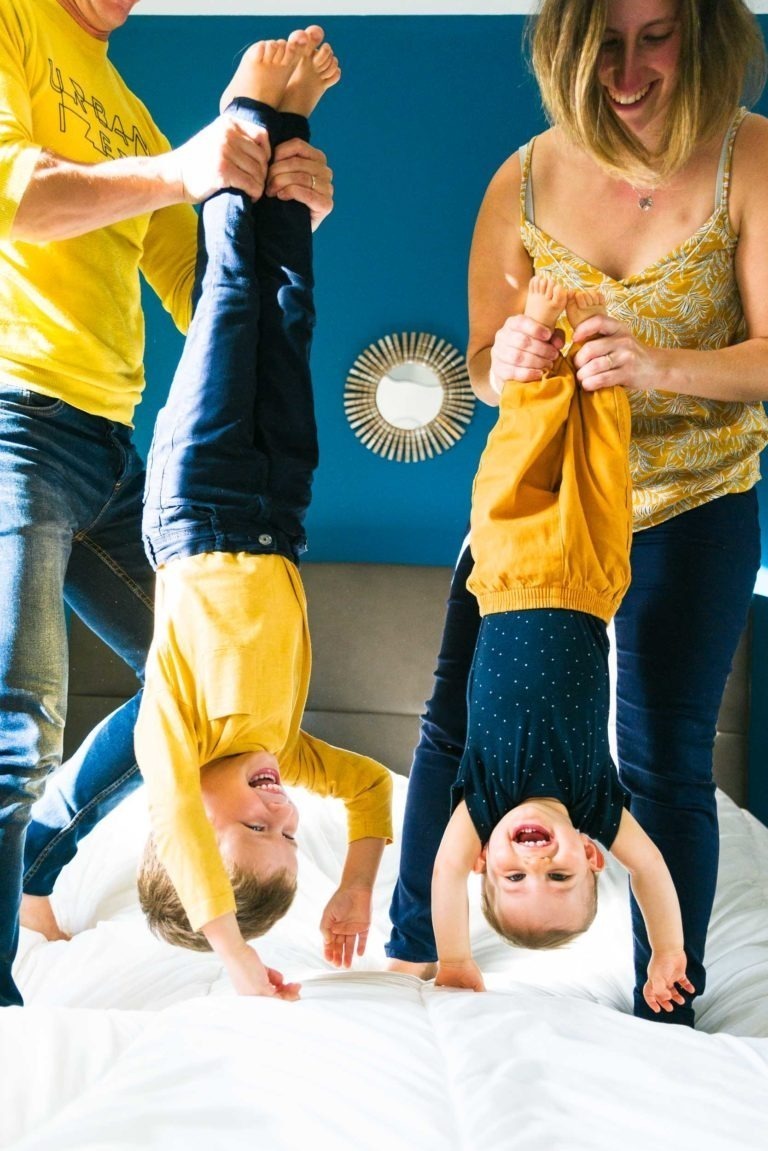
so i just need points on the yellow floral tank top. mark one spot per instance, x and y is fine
(684, 450)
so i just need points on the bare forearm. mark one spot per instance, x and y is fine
(361, 865)
(450, 914)
(479, 368)
(656, 896)
(65, 199)
(610, 355)
(456, 857)
(225, 937)
(738, 373)
(248, 974)
(651, 883)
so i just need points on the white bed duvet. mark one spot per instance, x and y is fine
(127, 1043)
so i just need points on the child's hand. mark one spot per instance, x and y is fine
(282, 990)
(464, 974)
(250, 977)
(666, 975)
(345, 923)
(248, 974)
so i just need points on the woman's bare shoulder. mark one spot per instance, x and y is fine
(750, 158)
(505, 184)
(750, 148)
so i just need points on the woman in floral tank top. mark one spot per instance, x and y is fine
(649, 186)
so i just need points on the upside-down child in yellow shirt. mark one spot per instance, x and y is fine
(228, 485)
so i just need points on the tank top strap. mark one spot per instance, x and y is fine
(525, 152)
(726, 158)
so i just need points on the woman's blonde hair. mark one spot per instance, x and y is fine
(722, 63)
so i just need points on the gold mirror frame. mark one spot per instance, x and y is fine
(408, 445)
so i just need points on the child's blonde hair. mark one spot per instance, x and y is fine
(260, 903)
(722, 62)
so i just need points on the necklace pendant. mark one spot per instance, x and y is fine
(645, 203)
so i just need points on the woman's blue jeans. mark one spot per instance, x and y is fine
(676, 633)
(70, 515)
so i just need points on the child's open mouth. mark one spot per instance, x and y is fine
(532, 835)
(267, 779)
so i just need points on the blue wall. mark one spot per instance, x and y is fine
(427, 109)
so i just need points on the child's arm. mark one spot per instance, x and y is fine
(656, 896)
(166, 745)
(365, 787)
(347, 917)
(168, 757)
(456, 856)
(248, 974)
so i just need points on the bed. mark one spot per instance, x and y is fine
(127, 1042)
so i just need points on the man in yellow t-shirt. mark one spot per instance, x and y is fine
(228, 485)
(91, 199)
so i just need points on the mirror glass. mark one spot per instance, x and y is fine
(410, 395)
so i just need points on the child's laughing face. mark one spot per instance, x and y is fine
(254, 819)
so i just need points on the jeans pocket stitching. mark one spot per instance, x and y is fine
(25, 400)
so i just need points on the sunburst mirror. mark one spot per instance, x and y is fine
(408, 397)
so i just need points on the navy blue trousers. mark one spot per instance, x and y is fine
(235, 447)
(676, 632)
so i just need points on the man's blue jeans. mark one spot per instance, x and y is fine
(70, 505)
(676, 632)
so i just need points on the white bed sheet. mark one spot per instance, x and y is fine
(127, 1042)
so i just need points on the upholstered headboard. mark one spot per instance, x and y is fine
(375, 636)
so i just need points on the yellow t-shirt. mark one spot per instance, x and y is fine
(228, 672)
(685, 450)
(71, 323)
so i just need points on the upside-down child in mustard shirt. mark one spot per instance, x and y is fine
(228, 485)
(550, 535)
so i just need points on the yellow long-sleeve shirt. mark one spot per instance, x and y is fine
(551, 521)
(228, 672)
(71, 323)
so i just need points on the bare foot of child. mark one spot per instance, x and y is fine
(265, 69)
(404, 967)
(546, 300)
(317, 70)
(582, 305)
(36, 913)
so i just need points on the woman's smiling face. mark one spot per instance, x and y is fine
(639, 63)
